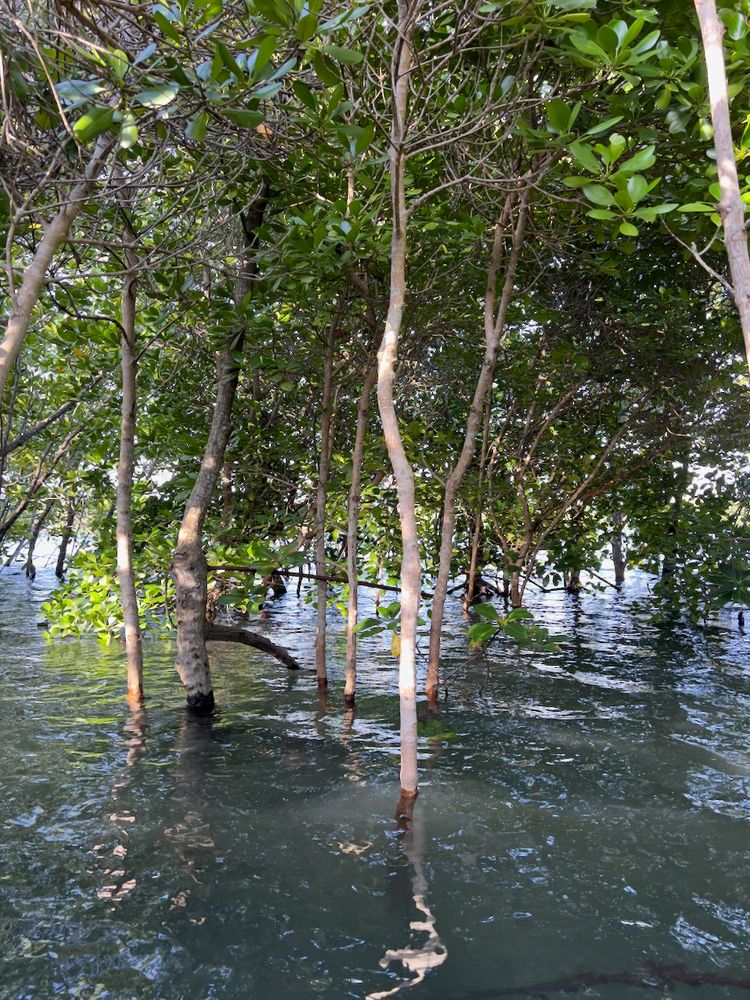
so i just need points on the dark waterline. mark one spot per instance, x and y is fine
(584, 820)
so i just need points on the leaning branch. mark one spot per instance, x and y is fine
(230, 633)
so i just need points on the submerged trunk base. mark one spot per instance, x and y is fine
(201, 704)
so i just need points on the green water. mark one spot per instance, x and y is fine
(584, 819)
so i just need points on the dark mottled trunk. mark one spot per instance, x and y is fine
(618, 555)
(65, 541)
(30, 568)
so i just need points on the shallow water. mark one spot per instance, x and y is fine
(583, 822)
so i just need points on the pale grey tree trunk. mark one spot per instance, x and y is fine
(324, 471)
(189, 566)
(387, 355)
(55, 233)
(494, 327)
(731, 206)
(125, 469)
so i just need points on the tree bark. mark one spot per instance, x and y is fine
(125, 468)
(618, 556)
(363, 407)
(55, 233)
(230, 633)
(324, 469)
(731, 206)
(189, 567)
(387, 354)
(494, 326)
(30, 568)
(65, 541)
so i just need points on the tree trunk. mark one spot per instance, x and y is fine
(324, 468)
(55, 233)
(30, 568)
(125, 468)
(189, 568)
(618, 556)
(363, 407)
(494, 326)
(516, 594)
(65, 541)
(387, 354)
(476, 537)
(731, 206)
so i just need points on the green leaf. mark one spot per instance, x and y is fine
(158, 97)
(585, 156)
(306, 27)
(93, 123)
(278, 11)
(637, 187)
(604, 126)
(628, 229)
(245, 119)
(589, 48)
(350, 57)
(558, 115)
(485, 611)
(646, 43)
(305, 95)
(642, 160)
(599, 194)
(517, 614)
(480, 633)
(128, 132)
(697, 206)
(601, 213)
(196, 129)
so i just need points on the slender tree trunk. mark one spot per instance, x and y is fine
(387, 356)
(65, 541)
(125, 468)
(324, 470)
(731, 206)
(55, 233)
(189, 567)
(618, 556)
(30, 568)
(363, 407)
(494, 330)
(516, 594)
(476, 536)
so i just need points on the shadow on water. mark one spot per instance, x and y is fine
(582, 826)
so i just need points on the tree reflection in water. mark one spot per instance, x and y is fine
(117, 883)
(432, 952)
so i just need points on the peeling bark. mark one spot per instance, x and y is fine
(387, 355)
(189, 567)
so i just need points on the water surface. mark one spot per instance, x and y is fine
(584, 817)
